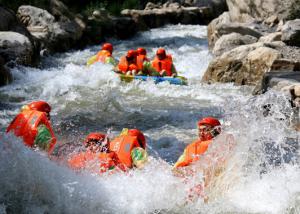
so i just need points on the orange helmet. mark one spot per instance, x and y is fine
(161, 52)
(131, 53)
(108, 47)
(141, 51)
(140, 136)
(209, 121)
(95, 136)
(39, 106)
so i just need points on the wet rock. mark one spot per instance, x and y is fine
(249, 10)
(231, 41)
(10, 23)
(53, 35)
(5, 75)
(272, 20)
(16, 47)
(291, 33)
(123, 27)
(271, 37)
(243, 65)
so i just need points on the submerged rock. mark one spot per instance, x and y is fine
(5, 75)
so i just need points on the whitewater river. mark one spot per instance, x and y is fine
(258, 178)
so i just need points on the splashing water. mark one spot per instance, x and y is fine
(260, 175)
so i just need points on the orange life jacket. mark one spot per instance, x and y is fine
(140, 61)
(94, 162)
(124, 66)
(25, 125)
(102, 55)
(123, 146)
(193, 152)
(165, 64)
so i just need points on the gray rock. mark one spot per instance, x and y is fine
(291, 33)
(271, 37)
(53, 35)
(212, 28)
(244, 65)
(231, 41)
(16, 47)
(249, 10)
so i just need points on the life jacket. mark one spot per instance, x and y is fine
(94, 162)
(124, 66)
(25, 125)
(140, 61)
(102, 55)
(165, 64)
(123, 146)
(193, 152)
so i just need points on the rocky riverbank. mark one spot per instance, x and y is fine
(255, 41)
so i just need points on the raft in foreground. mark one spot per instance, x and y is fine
(179, 80)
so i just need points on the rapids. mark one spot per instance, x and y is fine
(262, 174)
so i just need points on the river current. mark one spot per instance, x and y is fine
(262, 174)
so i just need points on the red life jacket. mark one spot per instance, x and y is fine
(94, 162)
(123, 146)
(102, 55)
(124, 66)
(165, 64)
(25, 125)
(193, 152)
(140, 61)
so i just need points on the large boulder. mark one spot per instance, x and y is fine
(212, 28)
(291, 33)
(9, 22)
(272, 37)
(243, 65)
(231, 41)
(248, 10)
(5, 75)
(53, 35)
(217, 6)
(16, 47)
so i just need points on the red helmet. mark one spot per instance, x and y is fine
(108, 47)
(141, 51)
(40, 106)
(161, 52)
(97, 136)
(131, 53)
(209, 121)
(140, 136)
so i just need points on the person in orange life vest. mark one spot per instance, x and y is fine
(97, 158)
(209, 128)
(142, 61)
(34, 126)
(163, 63)
(104, 56)
(127, 64)
(130, 147)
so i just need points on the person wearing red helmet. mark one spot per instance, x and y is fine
(97, 157)
(163, 63)
(130, 147)
(208, 128)
(128, 63)
(104, 56)
(33, 125)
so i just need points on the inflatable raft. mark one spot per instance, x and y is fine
(179, 80)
